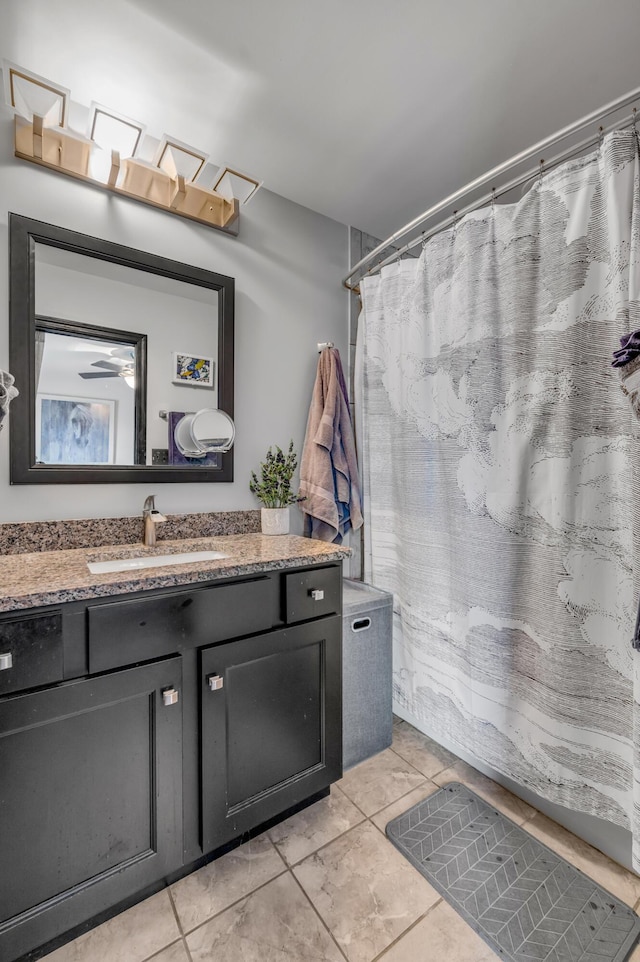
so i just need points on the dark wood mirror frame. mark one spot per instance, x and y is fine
(24, 234)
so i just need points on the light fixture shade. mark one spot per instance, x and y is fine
(29, 95)
(113, 131)
(177, 158)
(235, 185)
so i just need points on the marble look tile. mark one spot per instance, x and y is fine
(513, 807)
(613, 877)
(174, 953)
(404, 804)
(219, 884)
(314, 826)
(365, 891)
(380, 780)
(132, 936)
(421, 751)
(442, 935)
(275, 924)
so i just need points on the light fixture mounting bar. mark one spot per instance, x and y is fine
(66, 153)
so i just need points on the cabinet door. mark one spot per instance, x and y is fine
(90, 799)
(271, 715)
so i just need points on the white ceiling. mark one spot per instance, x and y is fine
(363, 110)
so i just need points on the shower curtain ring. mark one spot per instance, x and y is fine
(493, 200)
(634, 118)
(541, 171)
(600, 137)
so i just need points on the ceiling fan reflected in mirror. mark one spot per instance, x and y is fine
(121, 363)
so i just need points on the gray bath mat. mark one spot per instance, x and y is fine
(525, 901)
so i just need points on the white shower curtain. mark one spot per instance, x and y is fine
(501, 471)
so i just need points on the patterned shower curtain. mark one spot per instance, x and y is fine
(501, 471)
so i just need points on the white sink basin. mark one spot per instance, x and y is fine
(153, 561)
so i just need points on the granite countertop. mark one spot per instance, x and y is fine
(50, 577)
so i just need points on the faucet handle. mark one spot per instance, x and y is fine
(150, 503)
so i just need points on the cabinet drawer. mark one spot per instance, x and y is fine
(31, 648)
(312, 594)
(125, 632)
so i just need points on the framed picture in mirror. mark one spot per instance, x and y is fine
(193, 370)
(75, 430)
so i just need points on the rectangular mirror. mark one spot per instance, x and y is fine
(109, 346)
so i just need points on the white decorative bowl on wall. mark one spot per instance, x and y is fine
(275, 520)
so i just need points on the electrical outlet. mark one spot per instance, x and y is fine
(159, 455)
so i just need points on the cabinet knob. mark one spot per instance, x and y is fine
(317, 594)
(215, 682)
(169, 697)
(6, 661)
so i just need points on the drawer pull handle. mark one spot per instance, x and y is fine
(216, 682)
(317, 594)
(6, 661)
(169, 697)
(361, 624)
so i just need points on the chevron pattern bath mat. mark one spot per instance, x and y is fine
(525, 901)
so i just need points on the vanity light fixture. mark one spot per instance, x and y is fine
(109, 156)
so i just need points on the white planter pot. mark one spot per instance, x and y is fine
(275, 520)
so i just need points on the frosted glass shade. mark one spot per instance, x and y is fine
(236, 186)
(31, 95)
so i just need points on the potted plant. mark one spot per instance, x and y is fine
(273, 489)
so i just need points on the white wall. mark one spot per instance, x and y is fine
(288, 263)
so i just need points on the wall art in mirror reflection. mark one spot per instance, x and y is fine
(74, 430)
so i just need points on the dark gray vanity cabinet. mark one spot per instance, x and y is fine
(142, 732)
(90, 798)
(270, 725)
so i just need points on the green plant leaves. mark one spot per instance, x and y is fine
(273, 487)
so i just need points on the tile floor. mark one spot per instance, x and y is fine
(327, 886)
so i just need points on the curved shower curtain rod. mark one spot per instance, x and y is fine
(588, 121)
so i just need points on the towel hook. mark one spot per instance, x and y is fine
(324, 344)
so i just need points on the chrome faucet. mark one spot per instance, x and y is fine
(151, 518)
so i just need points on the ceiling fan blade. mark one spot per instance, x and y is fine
(90, 374)
(124, 354)
(108, 366)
